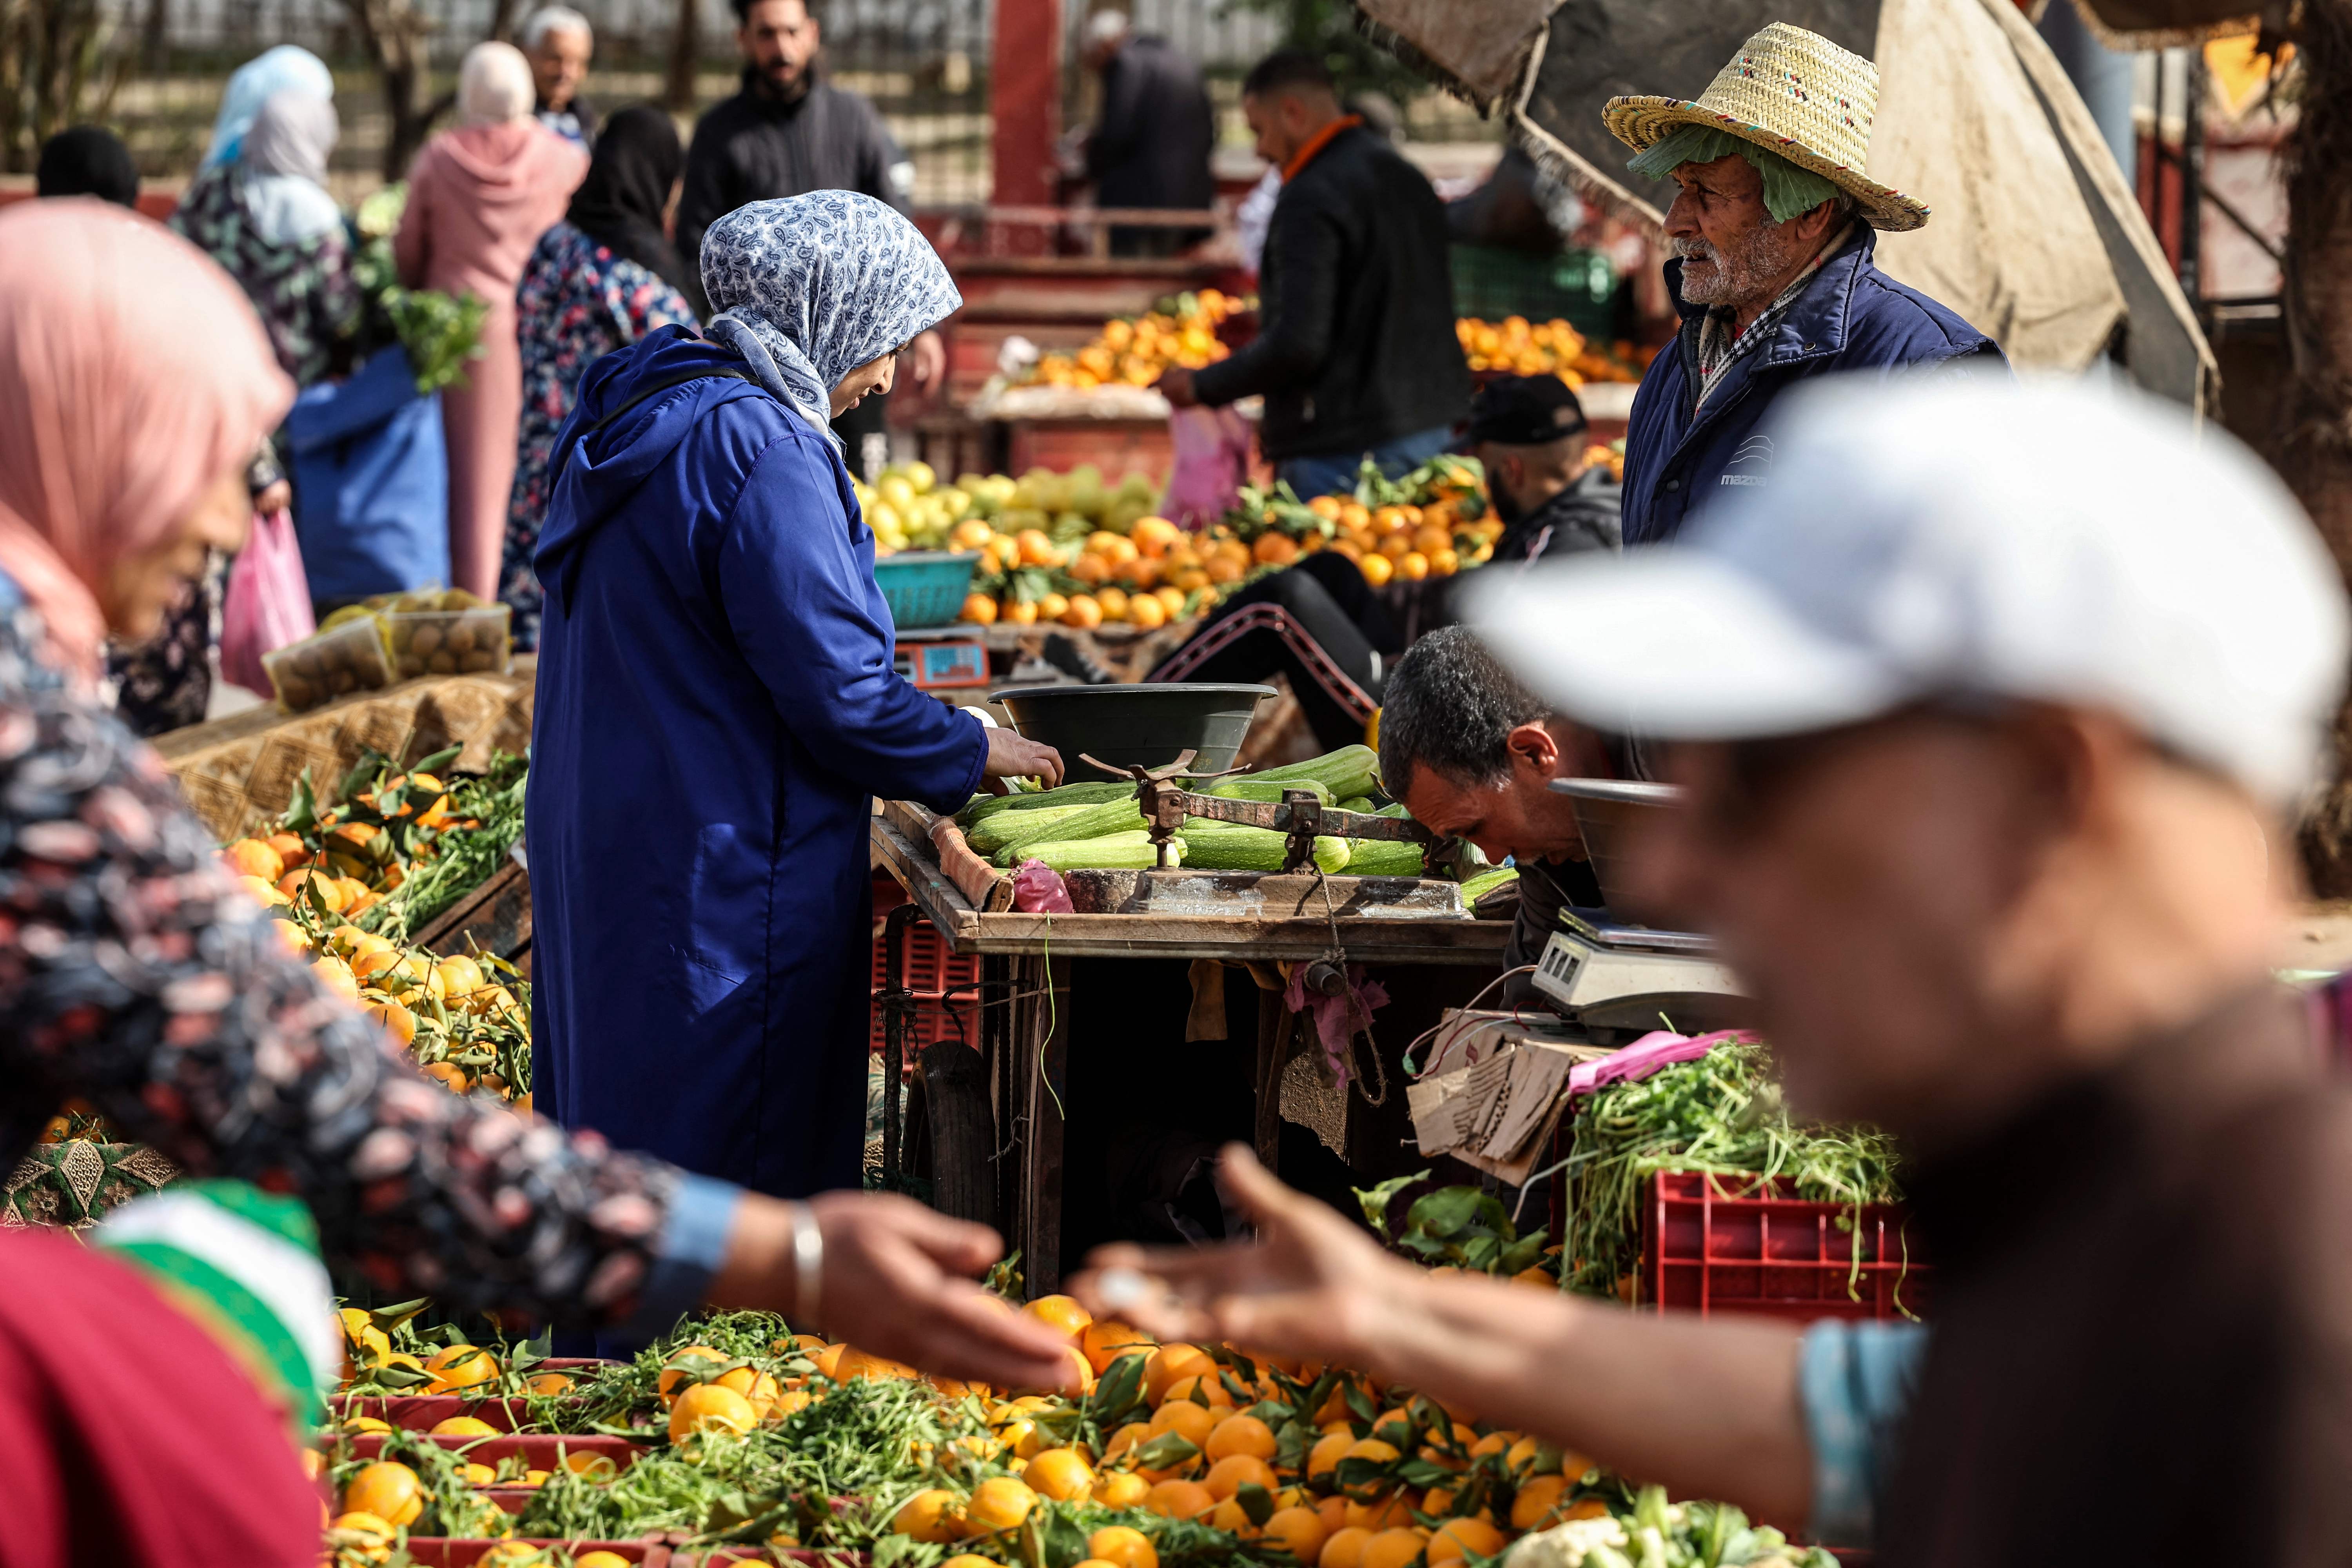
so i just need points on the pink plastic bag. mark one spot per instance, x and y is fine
(1038, 889)
(268, 604)
(1212, 455)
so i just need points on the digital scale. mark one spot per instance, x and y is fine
(1613, 979)
(942, 659)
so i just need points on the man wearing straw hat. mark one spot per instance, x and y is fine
(1772, 233)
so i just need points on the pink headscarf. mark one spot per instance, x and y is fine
(133, 373)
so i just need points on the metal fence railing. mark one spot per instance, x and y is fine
(924, 62)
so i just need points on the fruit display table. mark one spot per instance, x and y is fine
(239, 771)
(1013, 1133)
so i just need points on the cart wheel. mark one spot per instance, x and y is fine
(962, 1131)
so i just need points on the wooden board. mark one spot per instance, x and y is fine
(1432, 939)
(495, 918)
(1259, 895)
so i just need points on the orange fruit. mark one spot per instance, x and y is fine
(1373, 1448)
(756, 1386)
(1274, 549)
(827, 1361)
(1299, 1530)
(1180, 1499)
(978, 608)
(1127, 1437)
(1172, 599)
(1380, 1513)
(508, 1554)
(1240, 1434)
(1232, 1518)
(1530, 1454)
(1108, 1339)
(791, 1402)
(1413, 566)
(459, 1366)
(1062, 1474)
(707, 1407)
(596, 1466)
(1437, 1501)
(1052, 606)
(397, 1018)
(1084, 612)
(1146, 611)
(1344, 1548)
(928, 1516)
(1020, 614)
(857, 1364)
(1590, 1508)
(1170, 1362)
(479, 1474)
(449, 1075)
(388, 1490)
(1394, 1548)
(1458, 1537)
(1537, 1501)
(1061, 1312)
(252, 858)
(1492, 1443)
(1333, 1511)
(463, 1426)
(1191, 1421)
(1124, 1546)
(1210, 1388)
(1325, 1457)
(970, 1559)
(336, 976)
(1234, 1472)
(549, 1383)
(600, 1559)
(1123, 1489)
(364, 1424)
(999, 1503)
(1573, 1465)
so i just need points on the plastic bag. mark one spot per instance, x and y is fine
(1213, 456)
(1038, 889)
(267, 604)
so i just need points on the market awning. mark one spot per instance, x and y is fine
(2036, 238)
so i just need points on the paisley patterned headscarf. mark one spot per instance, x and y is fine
(807, 289)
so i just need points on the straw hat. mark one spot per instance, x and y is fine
(1792, 92)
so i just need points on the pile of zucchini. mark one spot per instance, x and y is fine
(1097, 826)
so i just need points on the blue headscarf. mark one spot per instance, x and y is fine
(807, 289)
(282, 69)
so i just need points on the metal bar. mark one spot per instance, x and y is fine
(2192, 176)
(2228, 209)
(897, 1010)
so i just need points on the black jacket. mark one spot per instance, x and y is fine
(1355, 342)
(1150, 146)
(754, 147)
(1585, 516)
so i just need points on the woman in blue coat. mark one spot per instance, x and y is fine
(717, 705)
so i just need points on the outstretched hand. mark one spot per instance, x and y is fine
(1312, 1285)
(898, 1279)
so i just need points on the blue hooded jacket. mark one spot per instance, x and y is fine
(1851, 316)
(716, 706)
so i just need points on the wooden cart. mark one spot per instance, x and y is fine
(989, 1123)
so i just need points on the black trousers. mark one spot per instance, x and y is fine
(1319, 623)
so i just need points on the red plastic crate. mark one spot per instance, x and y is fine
(1714, 1244)
(538, 1451)
(931, 972)
(454, 1551)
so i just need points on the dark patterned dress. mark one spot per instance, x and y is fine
(135, 974)
(305, 292)
(576, 303)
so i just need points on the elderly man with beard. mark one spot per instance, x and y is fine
(1772, 233)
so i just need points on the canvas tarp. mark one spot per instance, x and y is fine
(2036, 236)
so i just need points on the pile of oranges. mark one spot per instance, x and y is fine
(1518, 346)
(1405, 541)
(1133, 351)
(1146, 577)
(1365, 1478)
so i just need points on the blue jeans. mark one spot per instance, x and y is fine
(1336, 474)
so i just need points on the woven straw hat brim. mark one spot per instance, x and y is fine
(1641, 123)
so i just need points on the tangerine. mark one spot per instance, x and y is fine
(1122, 1490)
(388, 1490)
(1240, 1434)
(1123, 1545)
(1394, 1548)
(1234, 1472)
(928, 1516)
(1299, 1530)
(1107, 1339)
(463, 1426)
(708, 1407)
(1458, 1538)
(1537, 1501)
(999, 1503)
(1191, 1421)
(1062, 1474)
(1344, 1547)
(459, 1366)
(1180, 1499)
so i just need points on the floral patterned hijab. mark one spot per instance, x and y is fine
(807, 289)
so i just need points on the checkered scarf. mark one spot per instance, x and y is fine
(1719, 348)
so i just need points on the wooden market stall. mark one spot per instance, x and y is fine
(1074, 1012)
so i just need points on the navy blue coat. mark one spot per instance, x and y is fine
(1851, 316)
(716, 706)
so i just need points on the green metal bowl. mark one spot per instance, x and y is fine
(1148, 724)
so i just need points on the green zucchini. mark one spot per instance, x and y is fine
(1111, 852)
(982, 808)
(1254, 786)
(989, 835)
(1111, 817)
(1384, 857)
(1234, 847)
(1346, 773)
(1362, 803)
(1484, 883)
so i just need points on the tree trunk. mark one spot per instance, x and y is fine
(394, 33)
(2316, 457)
(685, 55)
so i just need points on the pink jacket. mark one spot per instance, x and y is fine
(478, 199)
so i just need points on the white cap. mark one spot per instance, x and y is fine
(1971, 537)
